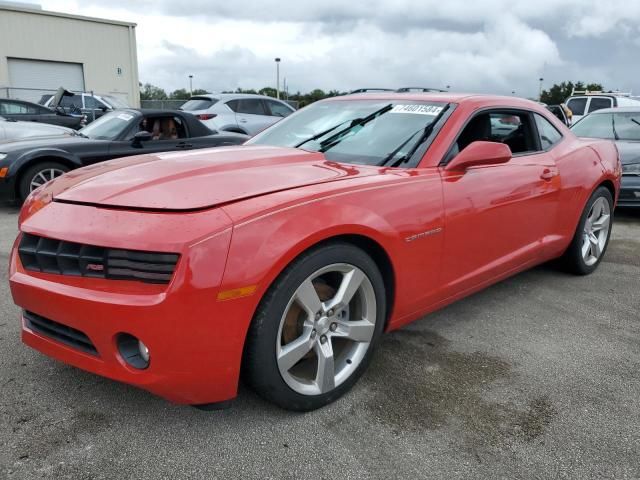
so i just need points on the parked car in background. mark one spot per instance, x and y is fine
(32, 112)
(561, 112)
(32, 162)
(622, 125)
(286, 259)
(12, 130)
(241, 113)
(582, 103)
(92, 106)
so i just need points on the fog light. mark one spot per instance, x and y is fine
(133, 351)
(144, 351)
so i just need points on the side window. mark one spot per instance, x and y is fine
(278, 109)
(13, 108)
(233, 105)
(162, 128)
(74, 101)
(577, 105)
(93, 103)
(549, 135)
(252, 106)
(513, 128)
(598, 103)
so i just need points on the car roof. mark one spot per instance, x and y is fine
(445, 97)
(17, 100)
(232, 96)
(617, 110)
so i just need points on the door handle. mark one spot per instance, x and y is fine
(243, 120)
(548, 174)
(184, 145)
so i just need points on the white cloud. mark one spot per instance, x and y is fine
(488, 45)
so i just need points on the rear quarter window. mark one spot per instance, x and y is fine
(599, 103)
(548, 134)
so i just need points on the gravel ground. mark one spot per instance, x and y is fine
(536, 377)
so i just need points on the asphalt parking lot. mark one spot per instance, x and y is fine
(536, 377)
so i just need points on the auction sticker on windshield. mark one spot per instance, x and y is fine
(125, 116)
(419, 109)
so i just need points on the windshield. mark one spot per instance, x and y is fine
(198, 103)
(108, 127)
(613, 126)
(114, 102)
(371, 132)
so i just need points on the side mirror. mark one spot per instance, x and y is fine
(480, 153)
(140, 137)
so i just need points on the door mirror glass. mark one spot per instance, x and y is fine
(142, 136)
(480, 153)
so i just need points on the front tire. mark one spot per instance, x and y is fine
(591, 238)
(315, 330)
(38, 175)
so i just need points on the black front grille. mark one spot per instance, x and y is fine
(47, 255)
(57, 331)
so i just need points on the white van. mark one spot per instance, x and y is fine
(582, 103)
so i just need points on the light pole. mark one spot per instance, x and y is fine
(278, 78)
(191, 85)
(540, 92)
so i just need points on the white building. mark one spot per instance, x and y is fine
(41, 51)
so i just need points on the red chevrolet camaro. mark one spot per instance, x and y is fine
(287, 258)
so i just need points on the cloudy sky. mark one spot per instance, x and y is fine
(472, 45)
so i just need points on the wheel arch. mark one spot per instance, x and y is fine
(366, 243)
(28, 163)
(379, 255)
(608, 184)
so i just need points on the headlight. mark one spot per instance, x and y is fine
(3, 156)
(631, 168)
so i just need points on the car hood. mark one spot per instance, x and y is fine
(198, 179)
(629, 152)
(30, 143)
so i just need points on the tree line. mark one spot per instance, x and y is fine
(153, 92)
(556, 94)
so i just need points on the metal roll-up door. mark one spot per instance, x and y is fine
(29, 79)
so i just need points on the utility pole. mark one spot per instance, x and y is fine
(191, 85)
(540, 91)
(278, 78)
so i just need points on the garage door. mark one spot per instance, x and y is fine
(43, 77)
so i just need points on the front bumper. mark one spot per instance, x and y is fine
(195, 341)
(8, 189)
(629, 191)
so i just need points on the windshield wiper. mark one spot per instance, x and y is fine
(336, 138)
(78, 134)
(323, 133)
(613, 126)
(353, 123)
(635, 121)
(426, 131)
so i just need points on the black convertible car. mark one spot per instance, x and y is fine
(27, 164)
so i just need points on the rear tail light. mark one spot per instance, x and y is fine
(207, 116)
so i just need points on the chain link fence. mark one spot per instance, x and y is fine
(162, 104)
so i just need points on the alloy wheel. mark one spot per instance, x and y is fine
(44, 176)
(326, 329)
(596, 231)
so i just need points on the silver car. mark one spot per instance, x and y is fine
(11, 130)
(237, 112)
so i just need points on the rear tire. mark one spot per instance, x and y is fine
(38, 175)
(315, 329)
(591, 238)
